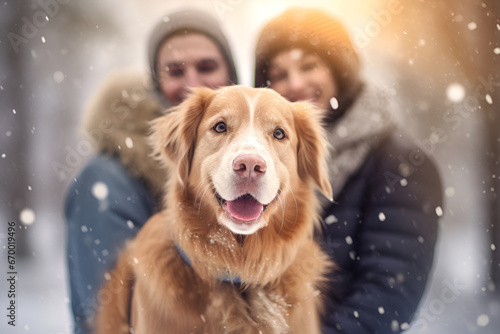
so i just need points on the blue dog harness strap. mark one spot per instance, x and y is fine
(226, 278)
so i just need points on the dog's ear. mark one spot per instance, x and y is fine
(312, 146)
(174, 135)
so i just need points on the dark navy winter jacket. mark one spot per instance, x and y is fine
(381, 233)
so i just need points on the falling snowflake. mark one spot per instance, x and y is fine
(58, 76)
(27, 216)
(100, 190)
(381, 216)
(331, 219)
(128, 142)
(395, 326)
(455, 92)
(439, 211)
(334, 103)
(483, 320)
(489, 99)
(472, 26)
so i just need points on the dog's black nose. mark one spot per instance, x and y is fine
(249, 166)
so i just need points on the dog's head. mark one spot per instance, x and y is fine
(240, 151)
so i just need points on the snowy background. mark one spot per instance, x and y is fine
(440, 58)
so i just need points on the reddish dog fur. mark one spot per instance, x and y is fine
(280, 265)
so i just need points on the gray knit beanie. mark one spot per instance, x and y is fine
(194, 20)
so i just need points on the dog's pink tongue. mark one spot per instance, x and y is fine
(245, 208)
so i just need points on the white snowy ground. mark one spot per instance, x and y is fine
(42, 303)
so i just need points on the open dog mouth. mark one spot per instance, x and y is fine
(244, 208)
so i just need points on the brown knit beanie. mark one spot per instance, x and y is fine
(312, 30)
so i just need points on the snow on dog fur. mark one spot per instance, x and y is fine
(233, 249)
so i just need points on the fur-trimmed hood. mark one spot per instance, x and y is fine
(368, 120)
(117, 119)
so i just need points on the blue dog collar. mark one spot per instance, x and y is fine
(226, 278)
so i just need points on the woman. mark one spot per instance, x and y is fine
(382, 228)
(119, 189)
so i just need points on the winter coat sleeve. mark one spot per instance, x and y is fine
(105, 206)
(387, 253)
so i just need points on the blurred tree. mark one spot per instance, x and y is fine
(47, 53)
(439, 43)
(15, 119)
(476, 45)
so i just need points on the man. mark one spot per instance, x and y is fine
(120, 188)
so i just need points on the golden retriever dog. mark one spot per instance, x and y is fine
(233, 250)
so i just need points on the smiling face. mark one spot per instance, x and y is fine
(299, 75)
(186, 61)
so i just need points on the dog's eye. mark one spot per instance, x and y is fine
(220, 127)
(279, 134)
